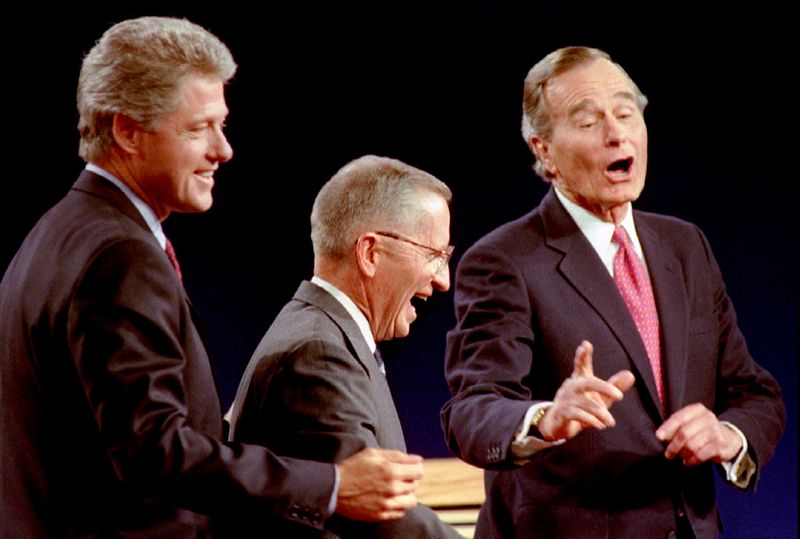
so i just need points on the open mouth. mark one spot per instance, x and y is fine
(622, 166)
(418, 301)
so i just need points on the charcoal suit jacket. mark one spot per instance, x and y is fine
(314, 390)
(109, 416)
(526, 295)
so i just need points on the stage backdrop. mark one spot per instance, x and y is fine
(438, 84)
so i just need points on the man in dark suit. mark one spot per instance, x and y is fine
(621, 439)
(110, 423)
(314, 387)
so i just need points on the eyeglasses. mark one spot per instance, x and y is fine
(442, 255)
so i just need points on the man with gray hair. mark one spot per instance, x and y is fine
(111, 423)
(585, 303)
(315, 387)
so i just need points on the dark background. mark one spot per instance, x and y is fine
(438, 84)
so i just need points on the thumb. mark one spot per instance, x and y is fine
(623, 380)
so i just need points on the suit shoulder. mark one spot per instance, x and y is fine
(670, 230)
(301, 332)
(82, 223)
(663, 222)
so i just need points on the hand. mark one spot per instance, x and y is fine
(583, 400)
(695, 435)
(378, 484)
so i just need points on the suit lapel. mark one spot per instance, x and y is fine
(95, 185)
(671, 301)
(390, 433)
(312, 294)
(583, 269)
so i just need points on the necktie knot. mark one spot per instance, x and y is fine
(620, 237)
(170, 250)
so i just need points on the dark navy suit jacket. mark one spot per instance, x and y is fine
(526, 295)
(109, 416)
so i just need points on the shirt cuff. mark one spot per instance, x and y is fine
(524, 445)
(741, 469)
(335, 493)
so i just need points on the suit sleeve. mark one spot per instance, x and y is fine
(488, 357)
(746, 394)
(127, 330)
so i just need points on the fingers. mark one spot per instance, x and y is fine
(583, 360)
(587, 412)
(595, 387)
(406, 472)
(667, 431)
(398, 457)
(378, 484)
(394, 465)
(583, 400)
(396, 507)
(695, 435)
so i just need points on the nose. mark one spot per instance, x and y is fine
(219, 146)
(615, 132)
(441, 279)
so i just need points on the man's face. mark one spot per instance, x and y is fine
(407, 271)
(177, 162)
(598, 147)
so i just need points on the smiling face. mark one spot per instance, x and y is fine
(175, 165)
(407, 271)
(597, 153)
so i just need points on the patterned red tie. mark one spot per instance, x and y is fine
(170, 250)
(634, 285)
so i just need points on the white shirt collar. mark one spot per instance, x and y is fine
(355, 313)
(146, 211)
(599, 232)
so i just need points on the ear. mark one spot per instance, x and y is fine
(125, 131)
(541, 149)
(366, 254)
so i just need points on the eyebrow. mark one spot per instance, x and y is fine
(587, 103)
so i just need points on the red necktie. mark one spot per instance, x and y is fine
(634, 285)
(170, 250)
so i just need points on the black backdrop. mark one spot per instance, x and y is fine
(438, 84)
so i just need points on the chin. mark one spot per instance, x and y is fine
(402, 331)
(201, 205)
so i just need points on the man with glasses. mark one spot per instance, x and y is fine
(315, 387)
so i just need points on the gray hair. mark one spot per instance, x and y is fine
(137, 68)
(369, 192)
(535, 111)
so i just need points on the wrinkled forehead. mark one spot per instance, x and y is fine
(586, 84)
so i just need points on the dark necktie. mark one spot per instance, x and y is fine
(379, 359)
(170, 250)
(634, 285)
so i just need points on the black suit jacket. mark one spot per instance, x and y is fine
(314, 390)
(110, 419)
(526, 295)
